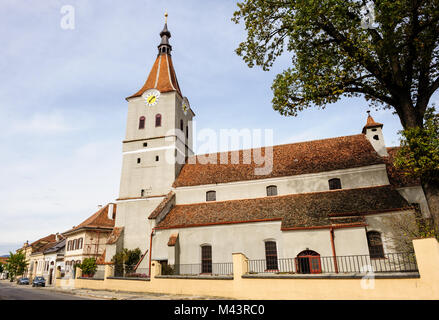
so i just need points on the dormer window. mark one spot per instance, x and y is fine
(158, 120)
(334, 184)
(211, 196)
(272, 191)
(142, 122)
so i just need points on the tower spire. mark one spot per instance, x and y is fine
(164, 46)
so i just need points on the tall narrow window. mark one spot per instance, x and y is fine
(210, 195)
(142, 122)
(158, 120)
(271, 255)
(181, 124)
(206, 259)
(187, 132)
(334, 184)
(271, 191)
(80, 243)
(142, 192)
(375, 244)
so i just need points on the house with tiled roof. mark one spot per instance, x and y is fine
(89, 238)
(37, 265)
(327, 197)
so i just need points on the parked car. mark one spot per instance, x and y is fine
(23, 281)
(39, 282)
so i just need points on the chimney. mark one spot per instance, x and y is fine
(57, 236)
(110, 211)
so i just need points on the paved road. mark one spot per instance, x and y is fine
(10, 291)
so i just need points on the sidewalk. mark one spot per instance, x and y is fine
(117, 295)
(114, 295)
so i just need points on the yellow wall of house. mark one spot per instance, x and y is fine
(425, 287)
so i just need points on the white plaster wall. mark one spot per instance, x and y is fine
(350, 241)
(379, 145)
(369, 176)
(133, 216)
(379, 222)
(249, 239)
(416, 195)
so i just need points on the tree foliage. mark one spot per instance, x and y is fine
(88, 266)
(16, 264)
(393, 63)
(126, 260)
(419, 152)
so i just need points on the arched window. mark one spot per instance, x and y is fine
(158, 120)
(142, 122)
(334, 184)
(206, 259)
(75, 244)
(375, 244)
(181, 124)
(272, 191)
(271, 255)
(308, 261)
(80, 243)
(211, 196)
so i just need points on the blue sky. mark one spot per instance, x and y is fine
(63, 112)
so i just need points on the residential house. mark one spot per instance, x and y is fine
(89, 238)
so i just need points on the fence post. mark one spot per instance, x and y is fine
(427, 258)
(78, 273)
(156, 269)
(240, 265)
(57, 276)
(108, 271)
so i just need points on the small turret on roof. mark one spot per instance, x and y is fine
(371, 123)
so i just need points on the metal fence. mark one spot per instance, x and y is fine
(100, 272)
(391, 262)
(127, 271)
(215, 269)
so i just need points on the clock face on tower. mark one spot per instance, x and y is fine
(151, 97)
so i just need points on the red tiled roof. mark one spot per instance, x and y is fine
(161, 77)
(169, 197)
(46, 239)
(396, 176)
(295, 211)
(98, 220)
(371, 124)
(288, 160)
(115, 234)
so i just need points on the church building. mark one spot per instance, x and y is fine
(324, 198)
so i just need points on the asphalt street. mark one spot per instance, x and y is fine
(9, 291)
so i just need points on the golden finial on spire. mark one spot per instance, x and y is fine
(166, 16)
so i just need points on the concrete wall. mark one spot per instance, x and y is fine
(242, 286)
(369, 176)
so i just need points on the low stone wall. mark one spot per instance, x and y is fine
(422, 285)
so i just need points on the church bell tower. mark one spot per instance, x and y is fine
(158, 139)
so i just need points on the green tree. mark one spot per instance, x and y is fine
(126, 259)
(88, 266)
(419, 156)
(390, 59)
(16, 264)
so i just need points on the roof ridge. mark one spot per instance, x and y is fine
(280, 145)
